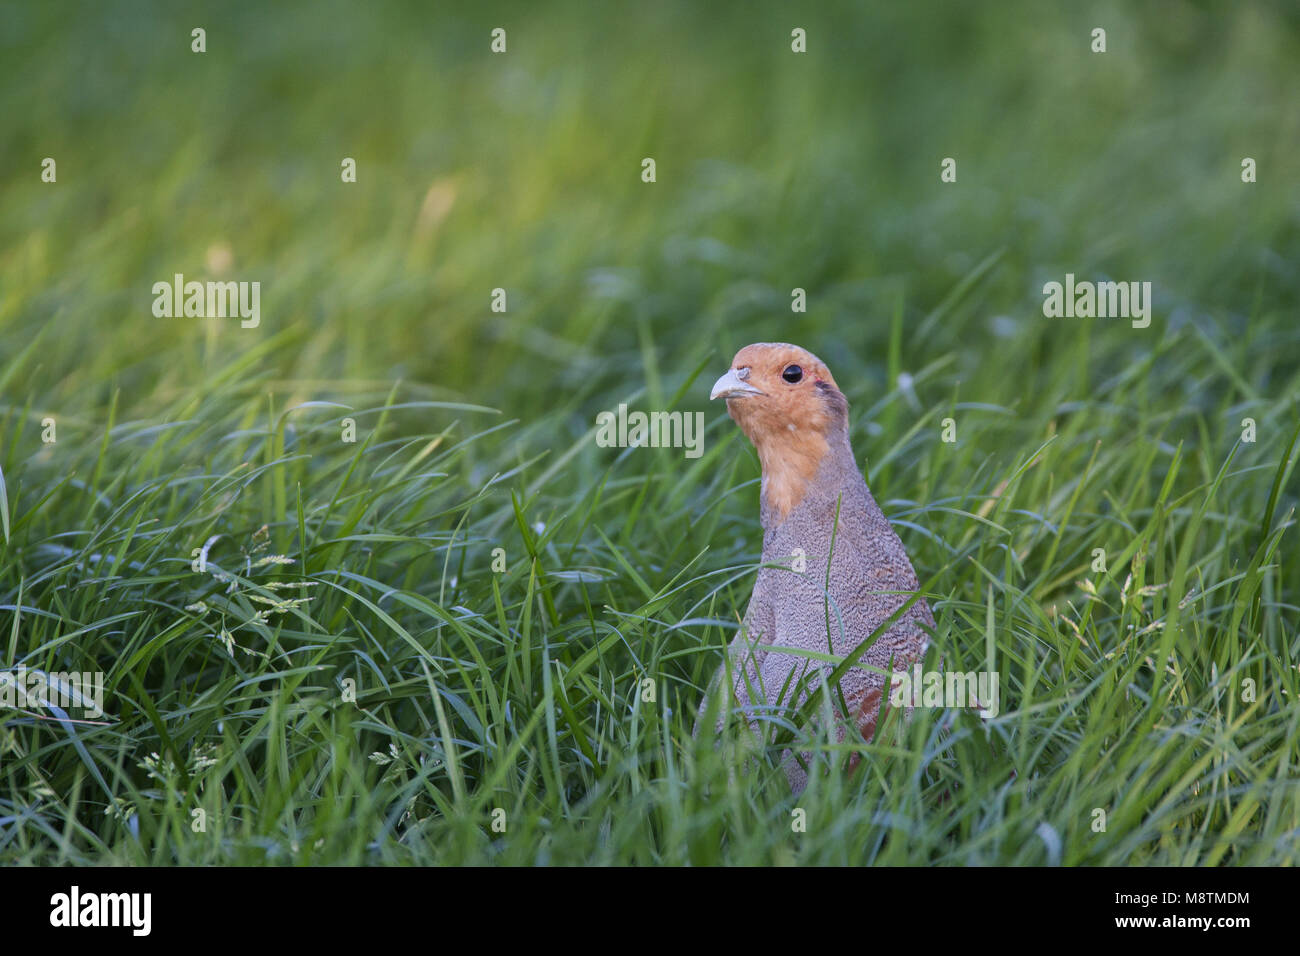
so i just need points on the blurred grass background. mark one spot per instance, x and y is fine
(522, 171)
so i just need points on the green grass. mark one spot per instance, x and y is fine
(332, 565)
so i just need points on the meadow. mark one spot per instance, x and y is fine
(363, 587)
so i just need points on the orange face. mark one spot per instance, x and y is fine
(785, 400)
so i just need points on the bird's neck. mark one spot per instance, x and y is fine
(797, 465)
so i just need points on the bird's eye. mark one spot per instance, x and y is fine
(792, 373)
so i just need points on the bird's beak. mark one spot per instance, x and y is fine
(731, 386)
